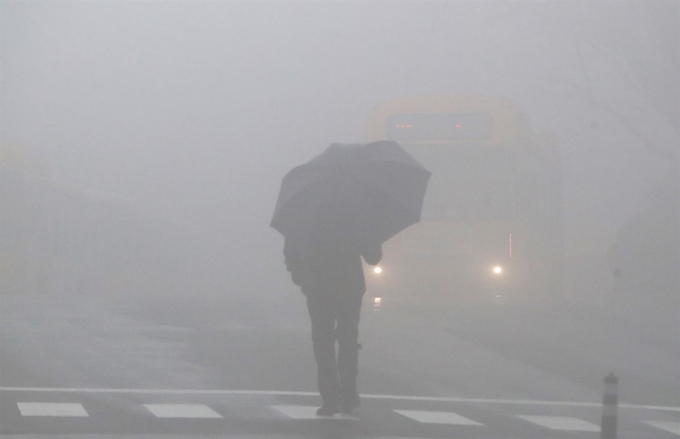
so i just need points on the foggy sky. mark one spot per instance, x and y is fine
(193, 111)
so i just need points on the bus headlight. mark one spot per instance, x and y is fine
(497, 270)
(377, 270)
(377, 302)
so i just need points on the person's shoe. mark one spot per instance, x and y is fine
(327, 410)
(350, 404)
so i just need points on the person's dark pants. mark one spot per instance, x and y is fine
(336, 317)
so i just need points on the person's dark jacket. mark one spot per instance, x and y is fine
(330, 265)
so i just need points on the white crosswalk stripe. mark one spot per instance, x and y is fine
(57, 409)
(428, 417)
(671, 427)
(182, 411)
(305, 412)
(561, 423)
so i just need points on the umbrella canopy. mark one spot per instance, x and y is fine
(376, 189)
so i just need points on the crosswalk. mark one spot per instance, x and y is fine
(55, 409)
(428, 417)
(561, 423)
(649, 422)
(186, 411)
(671, 427)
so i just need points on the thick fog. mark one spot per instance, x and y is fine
(190, 113)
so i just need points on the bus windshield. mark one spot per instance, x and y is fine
(469, 182)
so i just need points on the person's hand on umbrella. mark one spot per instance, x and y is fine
(296, 277)
(372, 254)
(293, 259)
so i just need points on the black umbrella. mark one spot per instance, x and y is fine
(377, 187)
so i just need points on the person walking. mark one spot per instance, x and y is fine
(329, 271)
(334, 210)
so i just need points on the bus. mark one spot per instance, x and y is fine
(492, 218)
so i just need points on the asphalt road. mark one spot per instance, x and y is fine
(138, 365)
